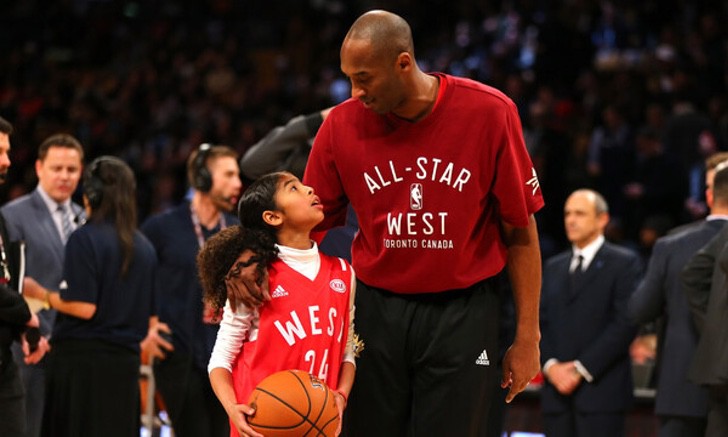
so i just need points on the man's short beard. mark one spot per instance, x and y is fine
(223, 203)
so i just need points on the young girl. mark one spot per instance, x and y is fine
(307, 324)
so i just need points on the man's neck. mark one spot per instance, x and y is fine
(423, 98)
(206, 210)
(718, 209)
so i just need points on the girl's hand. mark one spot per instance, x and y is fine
(340, 405)
(239, 417)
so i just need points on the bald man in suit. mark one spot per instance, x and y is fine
(585, 326)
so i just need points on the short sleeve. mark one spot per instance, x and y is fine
(516, 187)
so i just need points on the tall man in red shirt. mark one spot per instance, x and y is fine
(436, 170)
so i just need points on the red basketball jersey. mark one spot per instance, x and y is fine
(304, 326)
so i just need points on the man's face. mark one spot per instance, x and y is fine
(59, 173)
(4, 157)
(374, 79)
(583, 224)
(226, 184)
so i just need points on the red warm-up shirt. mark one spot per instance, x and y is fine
(430, 195)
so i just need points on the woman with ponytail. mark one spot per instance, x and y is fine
(104, 303)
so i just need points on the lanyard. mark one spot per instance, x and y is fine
(197, 226)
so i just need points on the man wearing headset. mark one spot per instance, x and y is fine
(182, 333)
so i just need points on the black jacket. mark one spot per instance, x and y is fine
(14, 312)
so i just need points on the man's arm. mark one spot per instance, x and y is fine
(274, 149)
(615, 337)
(521, 362)
(648, 301)
(697, 277)
(13, 308)
(82, 310)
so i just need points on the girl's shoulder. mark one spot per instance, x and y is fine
(336, 261)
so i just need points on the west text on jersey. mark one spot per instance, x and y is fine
(292, 328)
(416, 223)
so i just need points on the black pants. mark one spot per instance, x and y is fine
(12, 405)
(428, 367)
(681, 426)
(717, 411)
(33, 377)
(191, 404)
(92, 389)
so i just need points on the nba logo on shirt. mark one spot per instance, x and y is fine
(416, 197)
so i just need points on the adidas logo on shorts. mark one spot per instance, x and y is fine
(483, 359)
(279, 292)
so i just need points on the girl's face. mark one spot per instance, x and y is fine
(299, 207)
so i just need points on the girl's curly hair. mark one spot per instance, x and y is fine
(220, 253)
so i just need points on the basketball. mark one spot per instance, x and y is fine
(293, 403)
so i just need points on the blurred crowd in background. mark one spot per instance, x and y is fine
(624, 97)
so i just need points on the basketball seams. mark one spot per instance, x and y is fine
(290, 407)
(323, 408)
(326, 425)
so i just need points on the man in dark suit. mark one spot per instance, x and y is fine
(44, 219)
(706, 289)
(15, 316)
(680, 405)
(585, 326)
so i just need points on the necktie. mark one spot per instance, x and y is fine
(66, 226)
(579, 264)
(577, 273)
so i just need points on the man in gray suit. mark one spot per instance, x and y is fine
(681, 406)
(44, 219)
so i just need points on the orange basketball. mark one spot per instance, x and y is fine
(293, 403)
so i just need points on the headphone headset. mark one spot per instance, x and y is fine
(202, 179)
(93, 186)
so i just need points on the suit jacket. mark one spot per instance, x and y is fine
(589, 322)
(706, 289)
(660, 293)
(29, 220)
(283, 148)
(14, 313)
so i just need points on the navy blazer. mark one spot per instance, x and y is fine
(590, 323)
(28, 219)
(660, 293)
